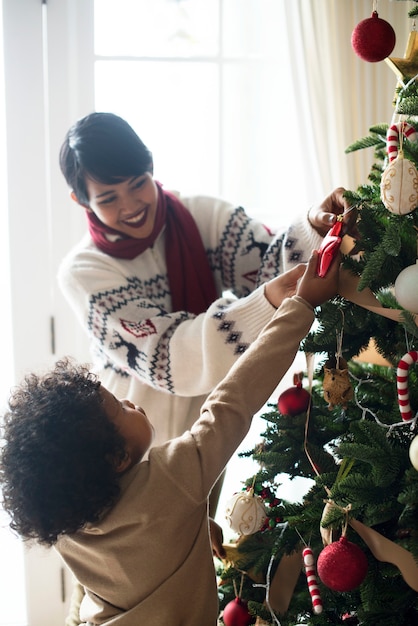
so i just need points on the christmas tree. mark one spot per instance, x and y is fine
(348, 552)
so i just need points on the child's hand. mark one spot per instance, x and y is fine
(284, 286)
(216, 538)
(315, 289)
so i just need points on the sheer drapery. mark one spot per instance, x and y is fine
(264, 103)
(338, 96)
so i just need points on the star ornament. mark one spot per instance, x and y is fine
(406, 67)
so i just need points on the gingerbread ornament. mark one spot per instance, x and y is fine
(337, 386)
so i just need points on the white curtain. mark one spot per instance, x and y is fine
(339, 96)
(271, 133)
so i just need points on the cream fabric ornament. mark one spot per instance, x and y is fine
(399, 186)
(399, 183)
(245, 512)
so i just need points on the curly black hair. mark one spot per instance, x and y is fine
(58, 461)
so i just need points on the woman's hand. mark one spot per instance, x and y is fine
(322, 217)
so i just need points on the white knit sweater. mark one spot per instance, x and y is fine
(167, 362)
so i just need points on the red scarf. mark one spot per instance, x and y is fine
(190, 278)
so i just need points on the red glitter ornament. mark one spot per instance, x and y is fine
(341, 565)
(236, 613)
(294, 400)
(373, 39)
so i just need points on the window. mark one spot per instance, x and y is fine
(205, 86)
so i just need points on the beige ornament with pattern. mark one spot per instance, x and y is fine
(399, 182)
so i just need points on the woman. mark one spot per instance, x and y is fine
(148, 281)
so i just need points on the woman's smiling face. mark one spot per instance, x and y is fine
(129, 206)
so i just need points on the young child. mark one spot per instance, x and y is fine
(135, 533)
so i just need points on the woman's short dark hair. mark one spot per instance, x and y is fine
(104, 147)
(58, 464)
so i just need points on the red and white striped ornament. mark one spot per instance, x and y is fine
(393, 137)
(402, 384)
(309, 563)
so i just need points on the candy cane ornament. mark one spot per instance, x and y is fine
(309, 563)
(402, 384)
(393, 137)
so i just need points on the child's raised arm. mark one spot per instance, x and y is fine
(227, 413)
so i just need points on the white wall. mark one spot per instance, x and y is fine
(37, 243)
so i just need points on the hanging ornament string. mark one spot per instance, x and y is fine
(339, 335)
(267, 586)
(310, 365)
(236, 611)
(238, 594)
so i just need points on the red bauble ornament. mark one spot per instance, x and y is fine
(236, 613)
(294, 400)
(373, 39)
(341, 565)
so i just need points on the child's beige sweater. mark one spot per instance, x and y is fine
(149, 561)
